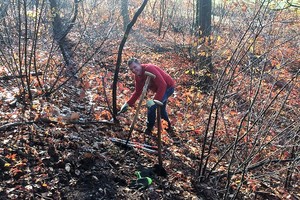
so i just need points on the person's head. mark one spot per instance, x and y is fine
(135, 66)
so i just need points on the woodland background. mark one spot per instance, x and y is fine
(235, 112)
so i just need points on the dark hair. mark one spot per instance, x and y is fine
(133, 60)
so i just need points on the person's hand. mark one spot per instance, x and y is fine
(150, 103)
(124, 108)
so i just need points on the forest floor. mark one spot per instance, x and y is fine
(49, 160)
(51, 157)
(80, 162)
(73, 158)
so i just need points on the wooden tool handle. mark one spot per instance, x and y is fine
(159, 129)
(150, 74)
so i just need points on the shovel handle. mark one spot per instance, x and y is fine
(159, 128)
(149, 76)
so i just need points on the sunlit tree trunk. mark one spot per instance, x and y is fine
(125, 14)
(162, 11)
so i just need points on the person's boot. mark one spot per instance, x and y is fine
(171, 130)
(148, 135)
(148, 132)
(149, 138)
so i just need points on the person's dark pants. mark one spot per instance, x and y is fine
(164, 114)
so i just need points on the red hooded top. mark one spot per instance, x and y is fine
(159, 84)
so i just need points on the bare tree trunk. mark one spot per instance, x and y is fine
(162, 11)
(203, 24)
(60, 35)
(203, 17)
(125, 14)
(153, 14)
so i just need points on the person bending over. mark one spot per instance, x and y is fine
(162, 85)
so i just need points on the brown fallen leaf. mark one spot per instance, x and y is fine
(74, 116)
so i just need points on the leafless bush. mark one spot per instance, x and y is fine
(253, 122)
(30, 43)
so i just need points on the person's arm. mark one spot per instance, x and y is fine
(137, 92)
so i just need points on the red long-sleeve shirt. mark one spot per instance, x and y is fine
(159, 84)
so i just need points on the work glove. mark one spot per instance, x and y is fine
(141, 183)
(150, 103)
(124, 108)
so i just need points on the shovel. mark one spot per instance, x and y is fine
(149, 76)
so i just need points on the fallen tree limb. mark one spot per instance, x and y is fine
(7, 126)
(10, 77)
(91, 122)
(13, 124)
